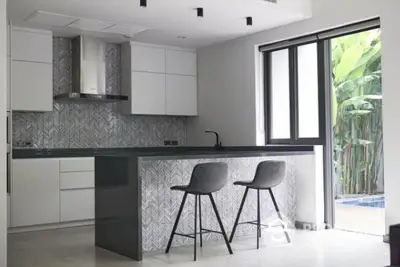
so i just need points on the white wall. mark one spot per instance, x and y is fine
(229, 85)
(3, 190)
(227, 73)
(391, 95)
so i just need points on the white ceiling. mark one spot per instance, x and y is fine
(165, 20)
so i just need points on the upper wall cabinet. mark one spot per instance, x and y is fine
(31, 45)
(181, 62)
(148, 59)
(31, 86)
(159, 80)
(31, 70)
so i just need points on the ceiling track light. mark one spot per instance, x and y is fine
(249, 21)
(143, 3)
(200, 12)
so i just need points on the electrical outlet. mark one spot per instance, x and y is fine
(171, 142)
(174, 142)
(167, 142)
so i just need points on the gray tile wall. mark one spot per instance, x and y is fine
(92, 125)
(160, 205)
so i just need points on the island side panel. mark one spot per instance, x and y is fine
(160, 205)
(117, 206)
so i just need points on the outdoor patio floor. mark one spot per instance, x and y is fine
(360, 219)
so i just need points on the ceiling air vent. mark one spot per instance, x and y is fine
(270, 1)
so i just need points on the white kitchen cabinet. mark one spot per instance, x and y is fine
(181, 62)
(148, 59)
(35, 192)
(31, 65)
(31, 45)
(76, 205)
(8, 68)
(8, 211)
(159, 80)
(181, 94)
(76, 164)
(32, 86)
(76, 180)
(148, 93)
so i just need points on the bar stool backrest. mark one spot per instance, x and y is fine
(269, 174)
(208, 177)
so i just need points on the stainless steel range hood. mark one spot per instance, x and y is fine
(89, 72)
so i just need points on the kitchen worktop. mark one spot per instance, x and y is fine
(180, 151)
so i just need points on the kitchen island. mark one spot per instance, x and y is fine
(135, 209)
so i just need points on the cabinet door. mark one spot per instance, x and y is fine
(32, 85)
(35, 192)
(181, 95)
(150, 59)
(181, 62)
(148, 93)
(8, 211)
(76, 164)
(30, 46)
(77, 205)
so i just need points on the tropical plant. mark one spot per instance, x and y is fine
(357, 112)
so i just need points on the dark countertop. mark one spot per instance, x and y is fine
(170, 152)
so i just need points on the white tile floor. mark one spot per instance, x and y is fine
(74, 247)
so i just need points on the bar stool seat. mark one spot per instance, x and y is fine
(206, 179)
(180, 187)
(243, 183)
(268, 175)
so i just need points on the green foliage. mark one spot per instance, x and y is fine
(357, 111)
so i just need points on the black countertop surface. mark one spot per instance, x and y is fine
(180, 151)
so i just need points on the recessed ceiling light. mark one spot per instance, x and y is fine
(182, 37)
(143, 3)
(46, 18)
(200, 12)
(249, 21)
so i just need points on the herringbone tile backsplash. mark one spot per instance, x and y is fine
(96, 124)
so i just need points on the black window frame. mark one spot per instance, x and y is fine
(295, 139)
(325, 81)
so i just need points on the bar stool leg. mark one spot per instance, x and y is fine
(176, 222)
(238, 215)
(195, 226)
(201, 226)
(220, 224)
(279, 214)
(258, 219)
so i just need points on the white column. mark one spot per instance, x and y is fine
(3, 97)
(310, 190)
(391, 95)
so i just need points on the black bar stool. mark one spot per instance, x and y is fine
(268, 174)
(206, 179)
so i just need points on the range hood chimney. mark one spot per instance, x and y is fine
(89, 72)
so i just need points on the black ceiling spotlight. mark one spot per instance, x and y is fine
(200, 12)
(249, 21)
(143, 3)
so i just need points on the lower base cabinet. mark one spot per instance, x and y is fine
(77, 205)
(51, 191)
(35, 192)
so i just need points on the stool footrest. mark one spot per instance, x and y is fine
(204, 231)
(185, 235)
(253, 223)
(209, 231)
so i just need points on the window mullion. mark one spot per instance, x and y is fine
(293, 76)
